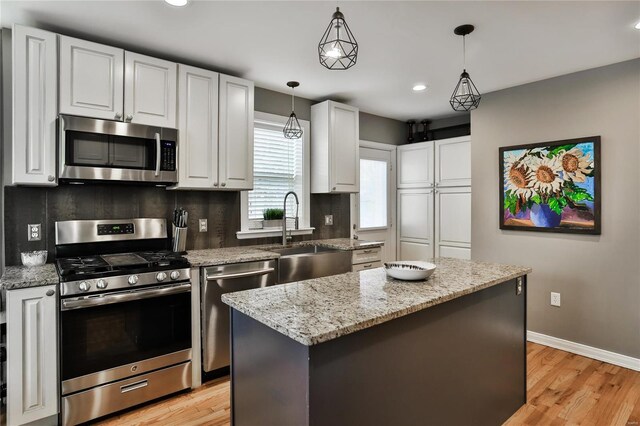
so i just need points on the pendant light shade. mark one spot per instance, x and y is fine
(465, 96)
(292, 130)
(338, 49)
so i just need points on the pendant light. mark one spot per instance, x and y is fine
(292, 130)
(338, 49)
(466, 96)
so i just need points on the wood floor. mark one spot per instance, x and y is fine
(563, 389)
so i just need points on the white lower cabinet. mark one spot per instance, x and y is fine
(32, 355)
(415, 224)
(453, 222)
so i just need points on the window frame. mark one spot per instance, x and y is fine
(263, 118)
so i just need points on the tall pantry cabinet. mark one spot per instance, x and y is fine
(434, 199)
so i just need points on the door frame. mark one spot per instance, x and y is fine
(353, 226)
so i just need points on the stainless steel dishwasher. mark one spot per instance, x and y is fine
(216, 281)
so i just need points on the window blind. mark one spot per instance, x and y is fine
(277, 169)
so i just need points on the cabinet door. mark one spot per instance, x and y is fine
(32, 354)
(453, 162)
(197, 128)
(35, 107)
(344, 142)
(453, 222)
(236, 133)
(91, 79)
(414, 251)
(149, 90)
(415, 217)
(415, 165)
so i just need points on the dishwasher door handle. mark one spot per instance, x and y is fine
(240, 274)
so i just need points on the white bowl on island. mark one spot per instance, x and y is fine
(409, 270)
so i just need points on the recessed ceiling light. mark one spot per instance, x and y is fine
(419, 87)
(178, 3)
(638, 26)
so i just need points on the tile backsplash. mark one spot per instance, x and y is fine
(25, 206)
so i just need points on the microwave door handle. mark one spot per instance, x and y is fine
(158, 155)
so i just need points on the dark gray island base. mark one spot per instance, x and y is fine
(458, 362)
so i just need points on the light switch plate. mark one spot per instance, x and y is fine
(202, 225)
(555, 299)
(35, 233)
(328, 219)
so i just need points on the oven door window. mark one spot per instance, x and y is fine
(103, 337)
(119, 152)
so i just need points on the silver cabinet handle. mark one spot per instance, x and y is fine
(367, 251)
(333, 189)
(214, 277)
(223, 184)
(134, 386)
(50, 292)
(129, 117)
(158, 155)
(51, 178)
(118, 115)
(215, 183)
(367, 266)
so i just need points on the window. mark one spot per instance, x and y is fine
(373, 194)
(280, 165)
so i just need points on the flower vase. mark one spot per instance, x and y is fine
(543, 217)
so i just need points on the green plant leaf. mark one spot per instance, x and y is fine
(553, 152)
(536, 199)
(554, 204)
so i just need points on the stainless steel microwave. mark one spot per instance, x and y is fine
(103, 150)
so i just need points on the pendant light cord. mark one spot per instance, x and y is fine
(292, 99)
(464, 52)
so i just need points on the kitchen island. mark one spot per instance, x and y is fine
(362, 348)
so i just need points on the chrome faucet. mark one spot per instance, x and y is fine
(284, 218)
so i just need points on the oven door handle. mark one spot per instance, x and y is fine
(158, 154)
(108, 299)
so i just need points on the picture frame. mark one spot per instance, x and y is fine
(551, 186)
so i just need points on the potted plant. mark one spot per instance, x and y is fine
(272, 218)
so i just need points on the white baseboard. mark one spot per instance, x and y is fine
(584, 350)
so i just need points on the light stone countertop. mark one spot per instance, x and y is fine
(318, 310)
(33, 276)
(226, 255)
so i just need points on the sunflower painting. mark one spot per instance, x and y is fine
(551, 186)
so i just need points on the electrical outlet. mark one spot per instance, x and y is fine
(202, 225)
(328, 219)
(34, 232)
(555, 299)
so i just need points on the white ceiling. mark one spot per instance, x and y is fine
(401, 42)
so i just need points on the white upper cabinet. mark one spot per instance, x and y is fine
(91, 79)
(32, 356)
(30, 158)
(149, 90)
(335, 136)
(197, 128)
(106, 82)
(415, 165)
(453, 222)
(453, 162)
(235, 133)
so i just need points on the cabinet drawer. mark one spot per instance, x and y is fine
(365, 266)
(367, 255)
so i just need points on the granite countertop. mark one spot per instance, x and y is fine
(322, 309)
(33, 276)
(222, 256)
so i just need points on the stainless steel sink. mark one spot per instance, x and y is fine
(306, 262)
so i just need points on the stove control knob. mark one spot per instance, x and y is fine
(84, 286)
(101, 284)
(161, 276)
(175, 275)
(133, 280)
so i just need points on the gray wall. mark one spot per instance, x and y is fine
(372, 127)
(598, 276)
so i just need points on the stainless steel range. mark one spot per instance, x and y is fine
(125, 316)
